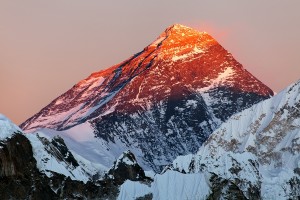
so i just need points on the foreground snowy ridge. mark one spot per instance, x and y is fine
(254, 155)
(257, 149)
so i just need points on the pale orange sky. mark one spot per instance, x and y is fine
(48, 46)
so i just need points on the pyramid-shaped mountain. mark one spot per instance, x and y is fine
(162, 102)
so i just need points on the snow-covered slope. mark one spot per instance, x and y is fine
(88, 150)
(257, 149)
(170, 185)
(50, 158)
(167, 98)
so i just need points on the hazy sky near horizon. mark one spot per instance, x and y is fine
(48, 46)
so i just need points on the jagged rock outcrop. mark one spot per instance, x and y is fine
(58, 148)
(127, 168)
(225, 189)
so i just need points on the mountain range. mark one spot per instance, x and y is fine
(182, 119)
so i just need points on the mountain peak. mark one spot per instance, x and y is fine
(147, 98)
(179, 27)
(181, 35)
(181, 61)
(183, 30)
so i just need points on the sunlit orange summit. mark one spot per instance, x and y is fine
(183, 85)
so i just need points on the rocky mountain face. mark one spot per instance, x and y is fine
(162, 102)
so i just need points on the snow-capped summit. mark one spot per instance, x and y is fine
(180, 50)
(168, 98)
